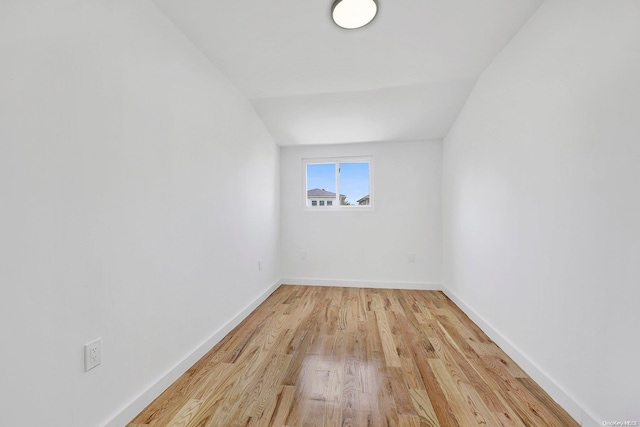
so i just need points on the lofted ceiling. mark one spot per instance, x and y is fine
(405, 76)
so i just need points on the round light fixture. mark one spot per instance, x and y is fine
(352, 14)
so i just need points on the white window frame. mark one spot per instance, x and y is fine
(337, 207)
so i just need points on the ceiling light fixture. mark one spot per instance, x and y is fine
(351, 14)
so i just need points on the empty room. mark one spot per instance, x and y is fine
(364, 213)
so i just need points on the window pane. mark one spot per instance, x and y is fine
(321, 183)
(354, 184)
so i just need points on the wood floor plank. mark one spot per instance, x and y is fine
(269, 385)
(386, 337)
(453, 333)
(411, 374)
(354, 357)
(408, 421)
(186, 413)
(546, 400)
(531, 412)
(282, 406)
(423, 408)
(460, 407)
(492, 354)
(350, 393)
(400, 391)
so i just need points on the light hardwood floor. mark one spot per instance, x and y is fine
(321, 356)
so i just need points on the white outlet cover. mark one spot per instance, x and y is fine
(92, 354)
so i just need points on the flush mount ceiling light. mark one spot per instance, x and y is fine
(352, 14)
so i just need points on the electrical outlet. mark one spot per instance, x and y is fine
(92, 354)
(259, 265)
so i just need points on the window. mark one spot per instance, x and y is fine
(338, 183)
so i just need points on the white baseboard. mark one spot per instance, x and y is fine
(557, 393)
(127, 413)
(362, 284)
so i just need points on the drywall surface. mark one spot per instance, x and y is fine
(138, 190)
(541, 207)
(360, 247)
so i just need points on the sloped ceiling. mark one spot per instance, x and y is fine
(405, 76)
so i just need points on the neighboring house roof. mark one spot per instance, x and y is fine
(319, 192)
(363, 199)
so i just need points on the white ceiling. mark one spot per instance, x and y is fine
(405, 76)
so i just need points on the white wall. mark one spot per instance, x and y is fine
(541, 201)
(371, 247)
(138, 190)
